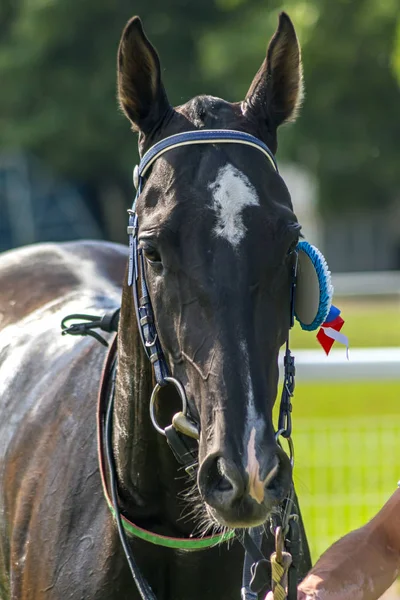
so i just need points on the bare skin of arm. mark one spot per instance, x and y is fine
(363, 564)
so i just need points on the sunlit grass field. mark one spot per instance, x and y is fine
(347, 434)
(347, 454)
(368, 323)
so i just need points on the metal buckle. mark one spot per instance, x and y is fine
(151, 343)
(280, 433)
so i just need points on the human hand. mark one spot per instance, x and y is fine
(357, 567)
(360, 566)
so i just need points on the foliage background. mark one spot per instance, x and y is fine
(57, 80)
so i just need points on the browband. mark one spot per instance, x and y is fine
(202, 136)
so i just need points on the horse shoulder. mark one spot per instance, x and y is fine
(48, 393)
(36, 276)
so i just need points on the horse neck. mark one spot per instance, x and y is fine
(145, 465)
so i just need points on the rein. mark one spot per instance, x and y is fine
(183, 434)
(104, 405)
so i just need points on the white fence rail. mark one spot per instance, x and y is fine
(363, 364)
(379, 283)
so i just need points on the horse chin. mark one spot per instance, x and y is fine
(243, 516)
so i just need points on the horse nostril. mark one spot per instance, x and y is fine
(220, 482)
(223, 485)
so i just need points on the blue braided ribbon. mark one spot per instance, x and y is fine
(325, 285)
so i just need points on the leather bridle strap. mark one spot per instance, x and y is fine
(105, 401)
(203, 136)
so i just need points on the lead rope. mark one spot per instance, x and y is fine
(256, 566)
(280, 564)
(283, 564)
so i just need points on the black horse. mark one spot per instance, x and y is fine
(217, 230)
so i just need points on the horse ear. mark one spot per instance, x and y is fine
(141, 93)
(276, 92)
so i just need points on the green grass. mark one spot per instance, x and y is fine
(349, 399)
(347, 444)
(347, 435)
(367, 324)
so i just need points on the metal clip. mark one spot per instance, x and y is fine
(279, 547)
(191, 470)
(282, 432)
(150, 344)
(183, 424)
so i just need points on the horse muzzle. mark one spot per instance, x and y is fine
(240, 495)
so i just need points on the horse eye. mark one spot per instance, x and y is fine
(150, 253)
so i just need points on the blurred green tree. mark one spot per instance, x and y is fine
(57, 76)
(58, 84)
(348, 130)
(58, 73)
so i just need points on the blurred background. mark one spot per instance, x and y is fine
(66, 156)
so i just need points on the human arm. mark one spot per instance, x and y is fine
(361, 565)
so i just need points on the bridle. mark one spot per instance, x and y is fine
(137, 275)
(183, 433)
(183, 430)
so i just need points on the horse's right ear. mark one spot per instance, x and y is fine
(277, 90)
(141, 93)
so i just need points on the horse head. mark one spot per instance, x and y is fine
(217, 231)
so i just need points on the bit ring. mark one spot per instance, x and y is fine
(181, 391)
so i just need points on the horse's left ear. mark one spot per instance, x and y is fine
(276, 91)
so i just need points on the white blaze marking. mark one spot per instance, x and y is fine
(231, 192)
(252, 418)
(256, 484)
(254, 426)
